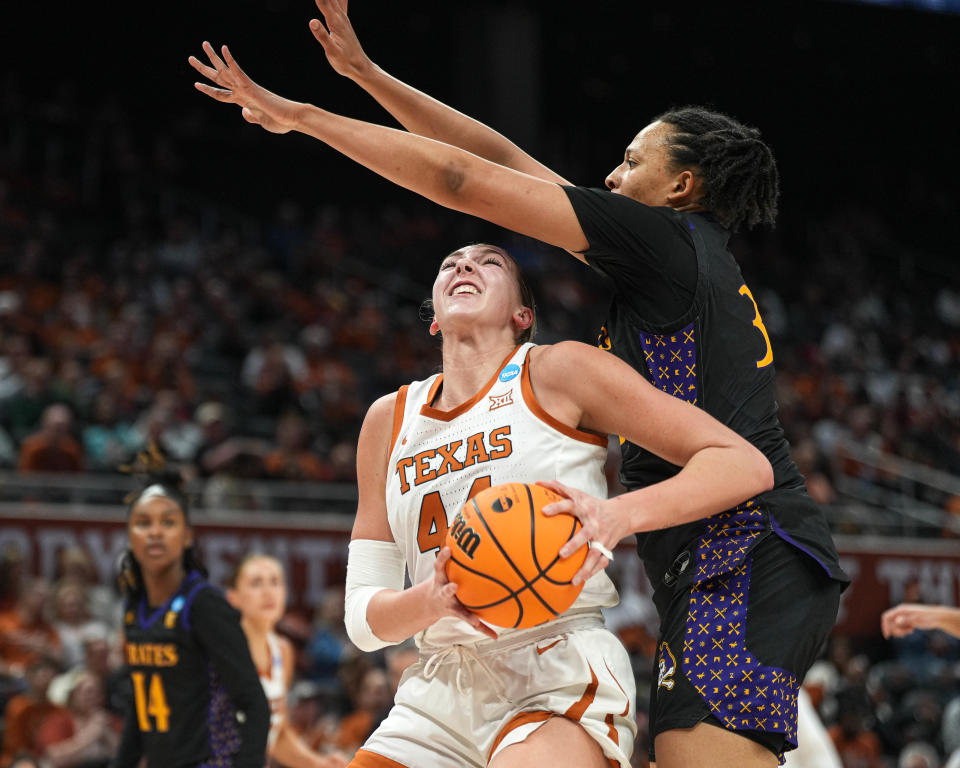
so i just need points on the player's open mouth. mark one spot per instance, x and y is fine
(461, 288)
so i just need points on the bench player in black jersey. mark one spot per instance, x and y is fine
(197, 699)
(682, 315)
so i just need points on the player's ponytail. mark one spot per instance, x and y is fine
(192, 562)
(130, 578)
(737, 168)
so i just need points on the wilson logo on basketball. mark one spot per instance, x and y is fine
(505, 556)
(467, 539)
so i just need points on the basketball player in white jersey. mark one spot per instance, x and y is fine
(259, 591)
(504, 410)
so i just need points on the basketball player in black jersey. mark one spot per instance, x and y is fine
(746, 598)
(197, 699)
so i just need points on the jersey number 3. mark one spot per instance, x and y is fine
(432, 529)
(758, 324)
(150, 702)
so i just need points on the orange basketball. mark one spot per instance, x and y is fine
(505, 557)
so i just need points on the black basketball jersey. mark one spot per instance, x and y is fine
(197, 699)
(683, 316)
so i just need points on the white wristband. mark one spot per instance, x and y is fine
(372, 566)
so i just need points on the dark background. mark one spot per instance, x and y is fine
(860, 103)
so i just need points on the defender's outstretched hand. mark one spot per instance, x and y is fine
(339, 41)
(274, 113)
(903, 619)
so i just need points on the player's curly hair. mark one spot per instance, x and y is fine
(738, 170)
(156, 478)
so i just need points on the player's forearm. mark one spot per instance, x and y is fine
(948, 619)
(715, 479)
(394, 616)
(424, 115)
(449, 176)
(422, 165)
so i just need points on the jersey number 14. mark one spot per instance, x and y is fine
(151, 702)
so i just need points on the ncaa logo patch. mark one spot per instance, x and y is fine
(666, 667)
(170, 620)
(510, 372)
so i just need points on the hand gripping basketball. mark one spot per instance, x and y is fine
(444, 596)
(505, 556)
(600, 532)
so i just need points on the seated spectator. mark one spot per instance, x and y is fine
(323, 367)
(108, 440)
(919, 717)
(271, 372)
(164, 368)
(26, 712)
(308, 717)
(857, 746)
(25, 633)
(812, 467)
(216, 430)
(104, 662)
(11, 577)
(89, 734)
(343, 461)
(369, 691)
(292, 458)
(75, 565)
(8, 449)
(14, 351)
(324, 650)
(167, 424)
(23, 760)
(52, 448)
(25, 409)
(950, 729)
(918, 754)
(72, 620)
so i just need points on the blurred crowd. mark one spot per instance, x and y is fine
(134, 308)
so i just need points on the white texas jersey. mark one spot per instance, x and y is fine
(274, 688)
(439, 459)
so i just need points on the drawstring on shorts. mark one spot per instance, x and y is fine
(463, 653)
(475, 652)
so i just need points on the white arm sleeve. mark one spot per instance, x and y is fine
(372, 566)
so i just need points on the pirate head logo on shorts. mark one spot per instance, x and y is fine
(666, 666)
